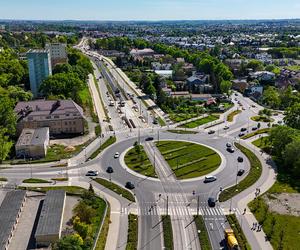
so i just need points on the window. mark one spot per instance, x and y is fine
(66, 123)
(56, 116)
(48, 117)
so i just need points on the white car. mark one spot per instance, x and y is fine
(226, 127)
(210, 178)
(117, 155)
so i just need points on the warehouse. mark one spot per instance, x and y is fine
(50, 222)
(10, 210)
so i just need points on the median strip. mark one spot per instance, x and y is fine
(202, 233)
(132, 237)
(168, 232)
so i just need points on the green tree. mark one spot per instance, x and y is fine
(271, 97)
(5, 144)
(291, 158)
(84, 212)
(80, 227)
(225, 86)
(70, 242)
(292, 116)
(8, 119)
(255, 65)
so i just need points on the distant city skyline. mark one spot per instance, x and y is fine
(120, 10)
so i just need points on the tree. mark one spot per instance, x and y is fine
(8, 119)
(291, 158)
(145, 81)
(80, 227)
(84, 212)
(150, 90)
(292, 116)
(225, 86)
(70, 242)
(5, 144)
(255, 65)
(271, 97)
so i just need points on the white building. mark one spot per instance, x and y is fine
(58, 52)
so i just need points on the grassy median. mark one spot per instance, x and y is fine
(258, 132)
(180, 131)
(251, 178)
(34, 180)
(168, 233)
(111, 140)
(132, 237)
(199, 122)
(232, 115)
(203, 235)
(189, 160)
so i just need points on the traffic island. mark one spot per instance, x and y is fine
(132, 236)
(202, 233)
(168, 232)
(189, 160)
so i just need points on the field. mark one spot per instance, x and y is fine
(139, 162)
(199, 122)
(189, 160)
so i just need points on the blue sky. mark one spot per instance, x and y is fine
(149, 9)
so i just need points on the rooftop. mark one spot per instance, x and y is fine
(9, 211)
(33, 136)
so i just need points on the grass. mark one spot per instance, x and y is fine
(281, 230)
(199, 122)
(100, 97)
(189, 160)
(161, 121)
(232, 115)
(281, 187)
(101, 242)
(260, 118)
(251, 178)
(98, 130)
(293, 67)
(132, 237)
(263, 143)
(3, 179)
(60, 179)
(203, 235)
(180, 131)
(33, 180)
(179, 117)
(139, 162)
(257, 132)
(111, 140)
(87, 103)
(70, 190)
(238, 232)
(115, 188)
(168, 233)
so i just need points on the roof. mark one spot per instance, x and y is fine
(9, 211)
(35, 51)
(43, 108)
(51, 214)
(33, 136)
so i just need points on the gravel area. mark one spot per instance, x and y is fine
(284, 203)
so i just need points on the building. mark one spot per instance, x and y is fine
(50, 222)
(198, 83)
(39, 63)
(164, 73)
(33, 143)
(240, 85)
(142, 52)
(10, 210)
(58, 53)
(262, 75)
(61, 116)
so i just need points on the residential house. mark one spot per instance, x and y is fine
(198, 83)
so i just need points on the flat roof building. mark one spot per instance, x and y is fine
(10, 210)
(33, 143)
(58, 52)
(50, 222)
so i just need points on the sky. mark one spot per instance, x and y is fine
(148, 9)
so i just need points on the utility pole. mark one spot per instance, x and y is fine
(167, 205)
(158, 136)
(198, 205)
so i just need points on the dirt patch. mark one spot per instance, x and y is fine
(284, 203)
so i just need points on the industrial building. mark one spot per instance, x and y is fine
(39, 63)
(50, 222)
(10, 210)
(33, 143)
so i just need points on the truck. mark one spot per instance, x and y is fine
(230, 239)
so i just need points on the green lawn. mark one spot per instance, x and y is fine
(3, 179)
(101, 242)
(260, 118)
(180, 131)
(179, 117)
(252, 176)
(257, 132)
(263, 143)
(111, 140)
(116, 188)
(233, 114)
(139, 162)
(199, 122)
(189, 160)
(168, 233)
(161, 121)
(86, 102)
(132, 237)
(203, 235)
(33, 180)
(238, 232)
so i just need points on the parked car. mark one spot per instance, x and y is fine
(117, 155)
(240, 159)
(210, 132)
(211, 202)
(210, 178)
(129, 185)
(243, 129)
(230, 150)
(226, 127)
(92, 173)
(254, 128)
(109, 170)
(241, 134)
(150, 138)
(240, 172)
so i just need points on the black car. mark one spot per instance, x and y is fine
(230, 150)
(210, 132)
(109, 170)
(240, 172)
(243, 129)
(240, 159)
(254, 128)
(211, 202)
(241, 134)
(149, 139)
(129, 185)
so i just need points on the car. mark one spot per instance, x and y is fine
(150, 138)
(155, 121)
(254, 128)
(226, 127)
(235, 94)
(240, 159)
(240, 172)
(243, 108)
(211, 202)
(117, 154)
(228, 145)
(230, 150)
(210, 132)
(210, 178)
(243, 129)
(109, 170)
(92, 173)
(241, 134)
(129, 185)
(253, 106)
